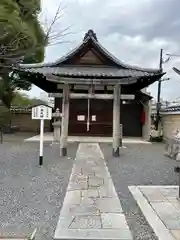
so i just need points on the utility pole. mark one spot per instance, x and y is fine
(159, 91)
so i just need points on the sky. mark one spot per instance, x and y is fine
(132, 30)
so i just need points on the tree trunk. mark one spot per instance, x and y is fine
(1, 133)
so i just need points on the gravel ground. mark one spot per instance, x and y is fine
(32, 196)
(138, 165)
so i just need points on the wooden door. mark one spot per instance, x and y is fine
(100, 117)
(77, 117)
(131, 119)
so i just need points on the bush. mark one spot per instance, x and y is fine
(156, 139)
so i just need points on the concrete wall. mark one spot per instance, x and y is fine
(24, 122)
(170, 122)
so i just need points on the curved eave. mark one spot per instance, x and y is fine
(91, 40)
(49, 82)
(119, 64)
(89, 72)
(106, 53)
(39, 80)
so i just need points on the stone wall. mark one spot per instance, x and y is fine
(170, 122)
(22, 119)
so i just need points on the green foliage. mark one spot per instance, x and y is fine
(156, 139)
(21, 35)
(21, 30)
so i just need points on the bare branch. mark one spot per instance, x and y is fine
(55, 19)
(52, 37)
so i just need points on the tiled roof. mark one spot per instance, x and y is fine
(175, 108)
(72, 71)
(90, 36)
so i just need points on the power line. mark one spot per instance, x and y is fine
(173, 55)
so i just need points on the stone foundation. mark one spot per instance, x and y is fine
(172, 148)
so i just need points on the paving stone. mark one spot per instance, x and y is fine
(78, 179)
(164, 208)
(105, 234)
(88, 222)
(88, 171)
(153, 195)
(79, 210)
(105, 192)
(95, 182)
(172, 221)
(90, 193)
(80, 184)
(75, 176)
(161, 231)
(65, 221)
(86, 200)
(73, 196)
(175, 203)
(101, 174)
(168, 212)
(167, 192)
(113, 221)
(111, 205)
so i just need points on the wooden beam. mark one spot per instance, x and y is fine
(116, 121)
(100, 81)
(93, 96)
(65, 121)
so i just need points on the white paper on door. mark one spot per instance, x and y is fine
(93, 118)
(81, 118)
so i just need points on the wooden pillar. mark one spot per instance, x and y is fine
(147, 125)
(116, 120)
(65, 121)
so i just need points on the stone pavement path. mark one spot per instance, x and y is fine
(160, 206)
(91, 208)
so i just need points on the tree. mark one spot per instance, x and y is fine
(20, 30)
(23, 36)
(23, 39)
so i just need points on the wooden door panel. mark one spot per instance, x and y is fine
(130, 118)
(101, 109)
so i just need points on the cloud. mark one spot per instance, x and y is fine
(134, 31)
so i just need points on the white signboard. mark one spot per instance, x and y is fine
(42, 112)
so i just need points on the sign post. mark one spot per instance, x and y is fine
(41, 112)
(41, 142)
